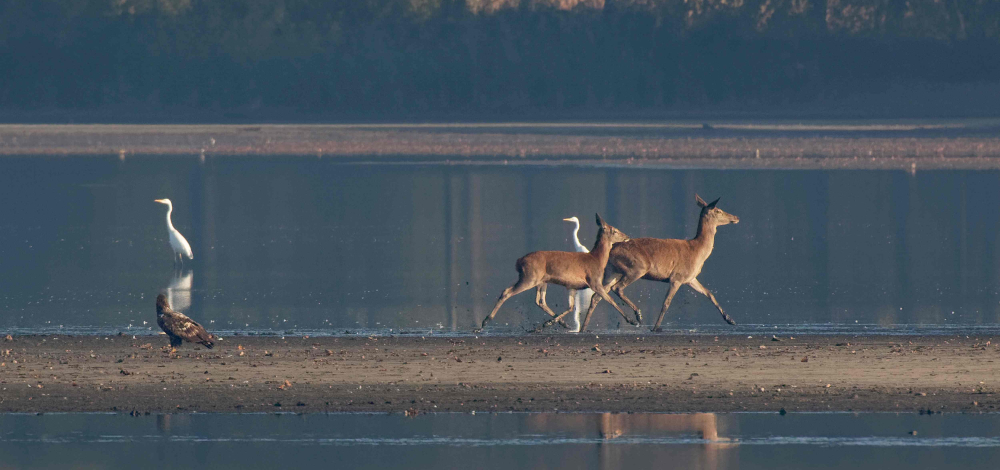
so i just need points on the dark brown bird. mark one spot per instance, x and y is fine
(180, 327)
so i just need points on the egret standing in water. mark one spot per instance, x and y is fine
(177, 241)
(583, 295)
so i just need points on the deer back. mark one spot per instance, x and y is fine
(559, 267)
(655, 258)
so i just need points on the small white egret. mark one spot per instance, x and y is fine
(583, 295)
(177, 241)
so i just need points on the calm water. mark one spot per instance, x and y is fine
(611, 441)
(310, 245)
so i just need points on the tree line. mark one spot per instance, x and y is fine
(302, 59)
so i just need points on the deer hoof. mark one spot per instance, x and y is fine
(563, 324)
(638, 317)
(656, 329)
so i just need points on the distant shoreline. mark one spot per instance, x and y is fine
(908, 145)
(616, 373)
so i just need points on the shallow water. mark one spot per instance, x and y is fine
(506, 440)
(311, 246)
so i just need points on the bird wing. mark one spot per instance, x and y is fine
(182, 244)
(166, 325)
(182, 326)
(185, 247)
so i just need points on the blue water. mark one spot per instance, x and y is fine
(305, 246)
(506, 440)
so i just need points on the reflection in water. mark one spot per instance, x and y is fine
(179, 290)
(306, 244)
(499, 441)
(610, 426)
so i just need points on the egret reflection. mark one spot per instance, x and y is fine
(179, 290)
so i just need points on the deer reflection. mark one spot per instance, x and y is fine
(179, 290)
(710, 454)
(167, 423)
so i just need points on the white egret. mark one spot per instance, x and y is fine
(177, 241)
(583, 295)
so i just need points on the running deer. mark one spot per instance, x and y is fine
(675, 261)
(569, 269)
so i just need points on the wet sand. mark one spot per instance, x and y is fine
(902, 145)
(523, 373)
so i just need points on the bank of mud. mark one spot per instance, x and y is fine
(896, 144)
(523, 373)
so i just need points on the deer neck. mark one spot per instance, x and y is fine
(704, 240)
(602, 249)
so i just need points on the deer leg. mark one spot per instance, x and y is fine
(604, 294)
(540, 300)
(674, 287)
(700, 288)
(571, 308)
(601, 293)
(509, 292)
(618, 287)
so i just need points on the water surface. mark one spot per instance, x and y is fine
(311, 246)
(506, 440)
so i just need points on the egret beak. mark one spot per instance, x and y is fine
(159, 201)
(568, 219)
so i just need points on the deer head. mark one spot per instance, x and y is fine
(713, 214)
(613, 234)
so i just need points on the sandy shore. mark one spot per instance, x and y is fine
(903, 145)
(528, 373)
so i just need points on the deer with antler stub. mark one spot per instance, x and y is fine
(569, 269)
(677, 262)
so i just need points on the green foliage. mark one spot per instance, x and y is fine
(387, 57)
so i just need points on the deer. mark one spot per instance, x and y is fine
(677, 262)
(571, 270)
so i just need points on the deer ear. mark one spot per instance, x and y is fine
(600, 221)
(713, 203)
(701, 202)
